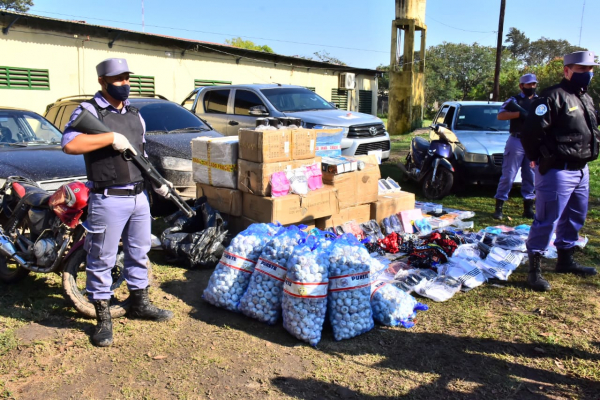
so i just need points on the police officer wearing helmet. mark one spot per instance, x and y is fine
(118, 204)
(561, 135)
(514, 155)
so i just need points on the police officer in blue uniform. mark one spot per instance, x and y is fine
(118, 206)
(514, 155)
(561, 135)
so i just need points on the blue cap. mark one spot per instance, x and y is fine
(528, 78)
(580, 58)
(112, 67)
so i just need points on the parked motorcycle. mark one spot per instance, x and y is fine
(430, 163)
(42, 232)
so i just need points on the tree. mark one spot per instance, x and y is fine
(383, 83)
(246, 44)
(324, 56)
(17, 5)
(519, 43)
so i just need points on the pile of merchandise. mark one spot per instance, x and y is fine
(354, 275)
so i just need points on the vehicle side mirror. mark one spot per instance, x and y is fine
(258, 111)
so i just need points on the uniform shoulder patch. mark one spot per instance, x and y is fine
(541, 109)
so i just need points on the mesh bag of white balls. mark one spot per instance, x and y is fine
(262, 300)
(349, 305)
(231, 276)
(392, 306)
(304, 300)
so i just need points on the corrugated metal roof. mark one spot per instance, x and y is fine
(184, 42)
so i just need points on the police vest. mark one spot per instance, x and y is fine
(516, 125)
(106, 166)
(573, 134)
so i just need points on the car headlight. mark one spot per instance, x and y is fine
(176, 164)
(476, 158)
(313, 126)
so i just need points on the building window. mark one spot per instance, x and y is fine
(203, 82)
(340, 98)
(365, 101)
(24, 78)
(142, 85)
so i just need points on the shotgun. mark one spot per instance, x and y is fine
(87, 123)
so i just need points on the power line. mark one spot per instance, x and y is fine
(216, 33)
(459, 29)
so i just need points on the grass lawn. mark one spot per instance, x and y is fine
(499, 341)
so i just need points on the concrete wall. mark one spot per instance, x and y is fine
(406, 99)
(71, 62)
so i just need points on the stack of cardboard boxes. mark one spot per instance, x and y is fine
(234, 173)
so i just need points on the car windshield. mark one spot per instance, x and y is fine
(296, 99)
(26, 127)
(165, 117)
(480, 118)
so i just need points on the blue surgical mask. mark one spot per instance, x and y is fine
(582, 79)
(120, 93)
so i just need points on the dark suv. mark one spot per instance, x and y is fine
(169, 130)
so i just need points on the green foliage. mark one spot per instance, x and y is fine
(247, 44)
(326, 57)
(17, 5)
(383, 83)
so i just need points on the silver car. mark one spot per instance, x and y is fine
(231, 107)
(479, 155)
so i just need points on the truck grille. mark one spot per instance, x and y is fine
(363, 149)
(365, 130)
(498, 158)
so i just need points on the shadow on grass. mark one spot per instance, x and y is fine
(487, 363)
(483, 362)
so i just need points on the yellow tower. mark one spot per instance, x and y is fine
(407, 91)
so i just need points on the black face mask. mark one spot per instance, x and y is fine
(528, 91)
(120, 93)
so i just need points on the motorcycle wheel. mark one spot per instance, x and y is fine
(441, 187)
(10, 271)
(74, 291)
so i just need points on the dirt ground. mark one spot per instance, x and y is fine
(497, 343)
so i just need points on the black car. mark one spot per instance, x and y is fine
(169, 131)
(30, 147)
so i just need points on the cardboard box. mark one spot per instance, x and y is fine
(291, 209)
(393, 203)
(356, 187)
(225, 200)
(265, 146)
(214, 161)
(303, 143)
(255, 178)
(359, 214)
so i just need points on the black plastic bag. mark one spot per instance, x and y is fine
(197, 241)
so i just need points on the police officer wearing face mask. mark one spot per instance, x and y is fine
(118, 206)
(561, 135)
(514, 155)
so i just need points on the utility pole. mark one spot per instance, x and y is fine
(496, 91)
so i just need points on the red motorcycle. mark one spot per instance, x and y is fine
(42, 232)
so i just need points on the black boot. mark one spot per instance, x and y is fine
(143, 309)
(498, 212)
(528, 208)
(103, 335)
(534, 279)
(566, 264)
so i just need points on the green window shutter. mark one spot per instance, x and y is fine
(24, 78)
(365, 100)
(311, 88)
(141, 85)
(204, 82)
(340, 97)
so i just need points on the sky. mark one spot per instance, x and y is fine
(357, 32)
